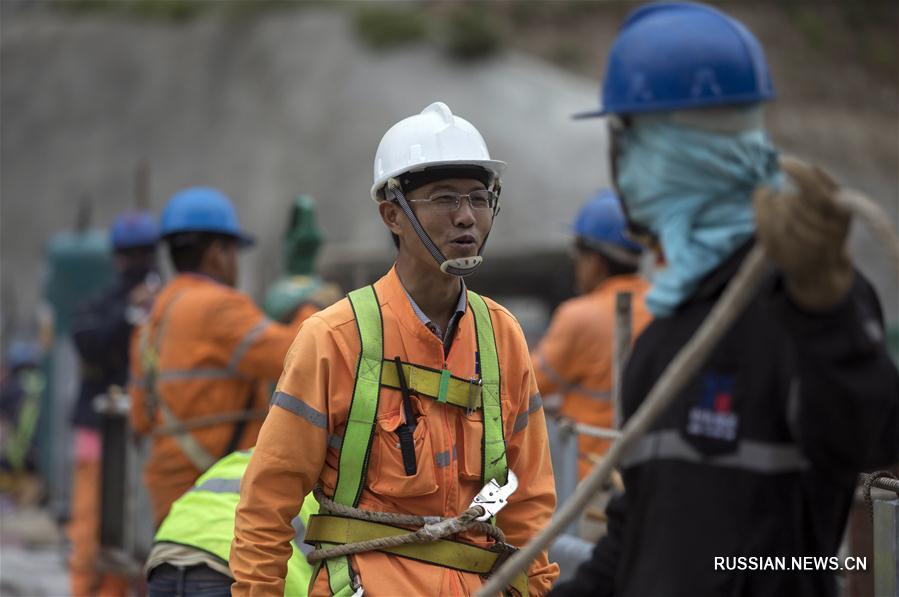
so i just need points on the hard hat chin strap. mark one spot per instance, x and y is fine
(460, 266)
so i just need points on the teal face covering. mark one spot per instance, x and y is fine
(693, 190)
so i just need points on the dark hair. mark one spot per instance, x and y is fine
(138, 253)
(187, 248)
(617, 268)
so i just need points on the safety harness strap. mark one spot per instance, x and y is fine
(340, 530)
(364, 406)
(371, 374)
(439, 385)
(359, 432)
(494, 444)
(198, 456)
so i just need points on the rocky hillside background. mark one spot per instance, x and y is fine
(270, 99)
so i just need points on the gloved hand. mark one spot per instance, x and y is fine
(804, 233)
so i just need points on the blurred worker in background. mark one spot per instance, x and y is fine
(759, 454)
(190, 555)
(20, 403)
(407, 397)
(101, 330)
(202, 362)
(300, 288)
(298, 297)
(574, 358)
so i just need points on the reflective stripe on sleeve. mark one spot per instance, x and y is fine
(335, 441)
(218, 486)
(535, 403)
(199, 373)
(300, 408)
(299, 533)
(246, 342)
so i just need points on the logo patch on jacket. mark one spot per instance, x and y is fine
(714, 417)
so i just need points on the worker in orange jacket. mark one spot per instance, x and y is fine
(407, 397)
(574, 358)
(201, 364)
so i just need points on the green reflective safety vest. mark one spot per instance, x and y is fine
(203, 518)
(18, 442)
(356, 447)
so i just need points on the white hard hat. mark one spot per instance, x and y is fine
(433, 138)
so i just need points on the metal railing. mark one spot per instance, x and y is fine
(885, 513)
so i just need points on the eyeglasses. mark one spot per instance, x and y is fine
(449, 201)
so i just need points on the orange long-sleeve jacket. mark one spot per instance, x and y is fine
(217, 353)
(299, 447)
(574, 358)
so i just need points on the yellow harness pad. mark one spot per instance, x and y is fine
(339, 530)
(460, 392)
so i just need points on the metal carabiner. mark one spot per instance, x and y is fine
(493, 497)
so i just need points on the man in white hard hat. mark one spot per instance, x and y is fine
(410, 397)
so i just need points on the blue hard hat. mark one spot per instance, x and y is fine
(681, 55)
(21, 353)
(202, 209)
(601, 222)
(133, 229)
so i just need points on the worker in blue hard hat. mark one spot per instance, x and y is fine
(574, 357)
(203, 361)
(759, 454)
(101, 331)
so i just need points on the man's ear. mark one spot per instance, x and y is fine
(391, 214)
(213, 255)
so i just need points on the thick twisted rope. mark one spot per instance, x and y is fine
(432, 528)
(882, 480)
(736, 297)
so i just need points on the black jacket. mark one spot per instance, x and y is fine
(102, 335)
(757, 457)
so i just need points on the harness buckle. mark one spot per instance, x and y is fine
(503, 552)
(474, 393)
(493, 497)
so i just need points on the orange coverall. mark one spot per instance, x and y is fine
(84, 525)
(218, 354)
(296, 450)
(574, 358)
